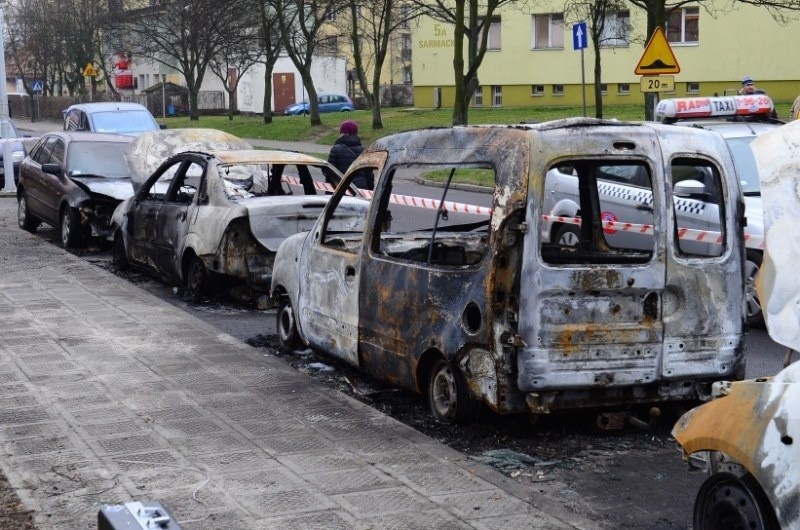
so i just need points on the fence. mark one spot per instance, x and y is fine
(51, 107)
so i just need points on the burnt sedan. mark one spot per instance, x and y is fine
(212, 215)
(73, 181)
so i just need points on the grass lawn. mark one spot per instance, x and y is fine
(298, 128)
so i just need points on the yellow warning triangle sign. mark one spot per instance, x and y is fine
(89, 71)
(658, 58)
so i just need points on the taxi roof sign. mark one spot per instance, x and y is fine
(657, 58)
(89, 70)
(687, 108)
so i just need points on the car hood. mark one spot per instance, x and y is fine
(150, 149)
(116, 188)
(273, 219)
(778, 158)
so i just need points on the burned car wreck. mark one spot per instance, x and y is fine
(483, 304)
(745, 438)
(210, 211)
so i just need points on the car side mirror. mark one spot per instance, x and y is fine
(688, 188)
(53, 169)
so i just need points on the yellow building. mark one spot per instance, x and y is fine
(532, 60)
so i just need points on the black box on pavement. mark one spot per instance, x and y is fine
(135, 516)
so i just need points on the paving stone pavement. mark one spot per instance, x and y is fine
(109, 395)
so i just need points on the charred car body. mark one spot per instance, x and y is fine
(745, 438)
(473, 305)
(73, 181)
(209, 208)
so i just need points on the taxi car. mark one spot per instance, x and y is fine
(745, 437)
(210, 210)
(739, 120)
(471, 306)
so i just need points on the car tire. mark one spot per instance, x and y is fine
(727, 501)
(288, 336)
(71, 229)
(448, 395)
(568, 235)
(26, 220)
(119, 258)
(197, 278)
(753, 312)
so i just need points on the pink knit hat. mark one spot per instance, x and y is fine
(348, 127)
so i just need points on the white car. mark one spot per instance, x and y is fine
(208, 210)
(109, 117)
(739, 120)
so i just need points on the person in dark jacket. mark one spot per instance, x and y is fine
(345, 150)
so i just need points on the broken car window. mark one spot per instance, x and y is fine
(428, 224)
(699, 207)
(598, 211)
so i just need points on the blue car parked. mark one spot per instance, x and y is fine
(327, 103)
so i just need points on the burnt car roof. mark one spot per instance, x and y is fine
(149, 149)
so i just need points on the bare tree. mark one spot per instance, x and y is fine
(374, 24)
(606, 24)
(234, 59)
(471, 20)
(184, 35)
(270, 44)
(301, 22)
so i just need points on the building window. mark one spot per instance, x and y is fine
(328, 45)
(548, 31)
(331, 14)
(493, 42)
(537, 90)
(558, 90)
(603, 89)
(616, 29)
(497, 96)
(477, 98)
(406, 75)
(683, 25)
(623, 89)
(405, 15)
(405, 53)
(692, 88)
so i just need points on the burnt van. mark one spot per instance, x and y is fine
(479, 298)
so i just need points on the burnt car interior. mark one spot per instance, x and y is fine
(623, 218)
(424, 228)
(259, 180)
(428, 232)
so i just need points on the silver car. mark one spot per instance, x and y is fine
(208, 209)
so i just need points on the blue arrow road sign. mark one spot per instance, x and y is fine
(579, 36)
(37, 85)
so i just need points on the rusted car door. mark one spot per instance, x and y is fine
(331, 271)
(596, 316)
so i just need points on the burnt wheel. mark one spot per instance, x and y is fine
(448, 395)
(26, 220)
(568, 236)
(287, 326)
(728, 502)
(755, 318)
(118, 256)
(197, 278)
(71, 230)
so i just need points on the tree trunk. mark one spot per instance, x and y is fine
(268, 93)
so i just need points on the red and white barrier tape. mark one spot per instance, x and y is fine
(610, 227)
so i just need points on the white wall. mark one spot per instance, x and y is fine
(329, 75)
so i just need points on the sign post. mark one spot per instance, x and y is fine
(580, 42)
(89, 73)
(656, 61)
